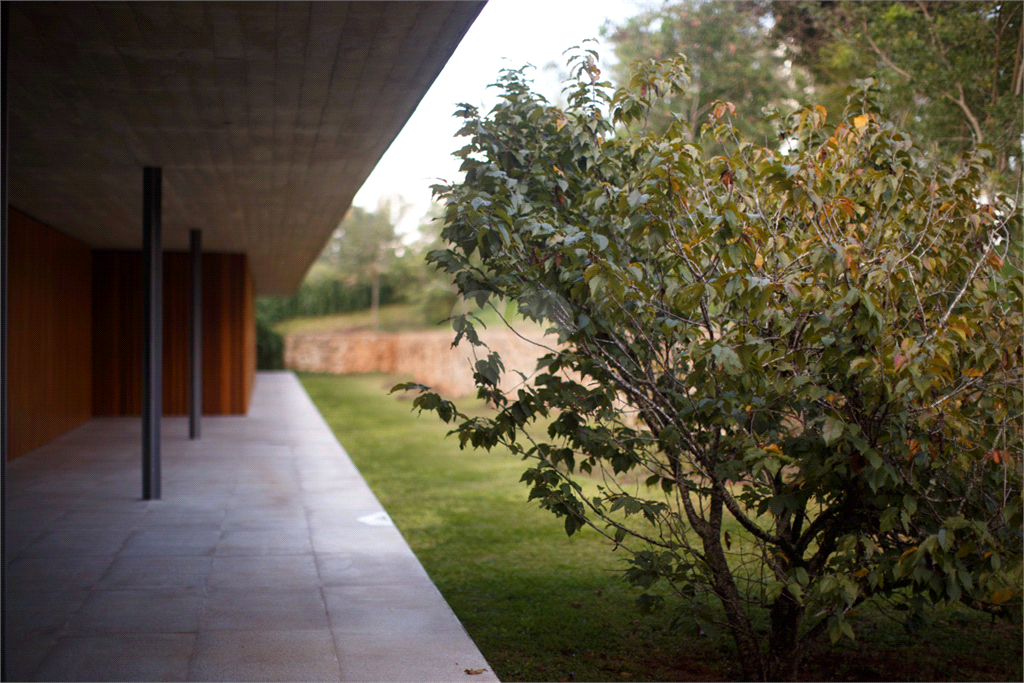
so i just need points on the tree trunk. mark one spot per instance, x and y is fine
(743, 634)
(375, 301)
(783, 642)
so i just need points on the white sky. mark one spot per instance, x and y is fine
(506, 34)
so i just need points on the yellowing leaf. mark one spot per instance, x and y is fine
(861, 573)
(851, 264)
(774, 448)
(861, 121)
(998, 456)
(906, 552)
(758, 261)
(474, 672)
(1002, 595)
(846, 206)
(962, 330)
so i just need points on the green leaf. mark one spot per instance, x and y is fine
(831, 430)
(708, 627)
(801, 576)
(835, 630)
(728, 359)
(888, 519)
(690, 296)
(909, 504)
(874, 459)
(858, 363)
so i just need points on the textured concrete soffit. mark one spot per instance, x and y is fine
(266, 117)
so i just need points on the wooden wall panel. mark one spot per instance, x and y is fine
(117, 333)
(224, 333)
(117, 360)
(249, 332)
(49, 334)
(177, 286)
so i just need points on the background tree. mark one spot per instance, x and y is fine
(785, 384)
(363, 246)
(953, 70)
(732, 54)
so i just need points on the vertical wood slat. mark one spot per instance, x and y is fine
(117, 305)
(50, 334)
(249, 341)
(117, 339)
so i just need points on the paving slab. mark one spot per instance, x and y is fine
(268, 559)
(147, 657)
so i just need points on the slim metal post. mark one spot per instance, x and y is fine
(152, 344)
(195, 343)
(5, 18)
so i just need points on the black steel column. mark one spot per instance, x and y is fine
(195, 336)
(152, 337)
(5, 18)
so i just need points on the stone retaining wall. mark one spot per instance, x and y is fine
(427, 357)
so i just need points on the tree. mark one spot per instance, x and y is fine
(785, 384)
(362, 247)
(955, 69)
(732, 52)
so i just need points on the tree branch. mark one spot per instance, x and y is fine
(970, 279)
(1018, 66)
(747, 523)
(885, 58)
(967, 112)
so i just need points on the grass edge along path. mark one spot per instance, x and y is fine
(397, 318)
(543, 607)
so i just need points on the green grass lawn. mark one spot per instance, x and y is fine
(393, 318)
(397, 318)
(544, 607)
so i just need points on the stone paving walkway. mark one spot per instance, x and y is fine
(268, 559)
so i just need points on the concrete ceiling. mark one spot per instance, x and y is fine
(265, 117)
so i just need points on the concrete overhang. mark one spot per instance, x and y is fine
(265, 117)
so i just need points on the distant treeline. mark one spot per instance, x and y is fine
(323, 297)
